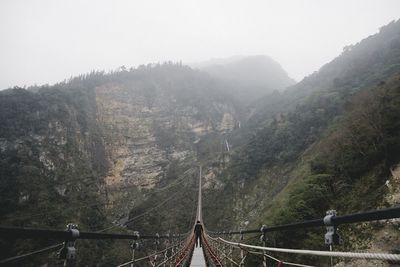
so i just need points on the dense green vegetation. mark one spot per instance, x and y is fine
(332, 139)
(304, 113)
(48, 178)
(348, 168)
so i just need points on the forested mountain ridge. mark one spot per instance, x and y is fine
(319, 98)
(321, 144)
(366, 63)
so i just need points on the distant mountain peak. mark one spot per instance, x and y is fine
(248, 77)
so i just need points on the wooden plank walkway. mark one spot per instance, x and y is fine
(198, 258)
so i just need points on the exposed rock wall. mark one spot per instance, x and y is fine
(142, 139)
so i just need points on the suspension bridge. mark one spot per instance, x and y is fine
(219, 248)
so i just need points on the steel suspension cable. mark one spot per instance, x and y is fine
(11, 232)
(94, 204)
(175, 183)
(179, 181)
(142, 214)
(374, 215)
(27, 233)
(80, 179)
(193, 214)
(33, 253)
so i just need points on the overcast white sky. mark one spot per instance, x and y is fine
(46, 41)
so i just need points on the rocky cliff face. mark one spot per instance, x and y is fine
(143, 138)
(123, 130)
(152, 128)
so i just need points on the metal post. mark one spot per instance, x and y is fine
(331, 236)
(157, 242)
(134, 246)
(231, 252)
(168, 242)
(68, 252)
(133, 253)
(241, 258)
(173, 241)
(241, 250)
(264, 241)
(225, 253)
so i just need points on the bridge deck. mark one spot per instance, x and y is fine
(198, 258)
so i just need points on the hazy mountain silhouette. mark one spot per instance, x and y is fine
(250, 77)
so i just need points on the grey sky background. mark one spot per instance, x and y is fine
(47, 41)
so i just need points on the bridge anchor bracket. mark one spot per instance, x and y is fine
(68, 251)
(331, 236)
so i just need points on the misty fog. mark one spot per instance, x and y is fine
(48, 41)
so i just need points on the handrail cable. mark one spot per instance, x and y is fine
(149, 256)
(185, 250)
(7, 232)
(359, 255)
(168, 259)
(226, 256)
(277, 260)
(261, 254)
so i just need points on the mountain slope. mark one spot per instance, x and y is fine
(314, 146)
(308, 107)
(366, 63)
(347, 170)
(350, 169)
